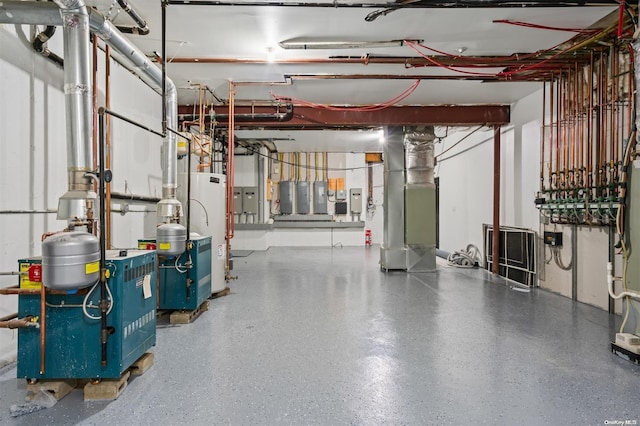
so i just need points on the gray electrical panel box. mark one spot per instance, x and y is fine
(303, 197)
(355, 200)
(286, 196)
(250, 199)
(320, 197)
(237, 200)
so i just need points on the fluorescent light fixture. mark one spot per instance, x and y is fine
(306, 44)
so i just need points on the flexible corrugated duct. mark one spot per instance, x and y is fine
(419, 159)
(22, 12)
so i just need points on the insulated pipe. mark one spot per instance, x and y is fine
(44, 13)
(419, 158)
(169, 207)
(77, 203)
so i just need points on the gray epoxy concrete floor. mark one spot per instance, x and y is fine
(321, 336)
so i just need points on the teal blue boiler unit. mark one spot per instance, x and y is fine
(72, 323)
(185, 280)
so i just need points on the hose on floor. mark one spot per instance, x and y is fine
(467, 258)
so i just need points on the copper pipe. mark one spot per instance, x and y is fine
(576, 124)
(558, 109)
(580, 126)
(561, 133)
(599, 128)
(544, 110)
(590, 132)
(553, 120)
(230, 174)
(574, 120)
(9, 317)
(18, 323)
(566, 131)
(107, 161)
(17, 290)
(495, 248)
(201, 123)
(43, 322)
(612, 128)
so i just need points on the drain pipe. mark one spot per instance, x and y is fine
(77, 204)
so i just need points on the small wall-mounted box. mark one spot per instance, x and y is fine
(250, 200)
(237, 200)
(553, 238)
(355, 197)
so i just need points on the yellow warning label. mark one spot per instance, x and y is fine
(92, 268)
(24, 279)
(165, 246)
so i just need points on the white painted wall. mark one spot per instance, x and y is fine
(466, 179)
(33, 154)
(350, 166)
(466, 186)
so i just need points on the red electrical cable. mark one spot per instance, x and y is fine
(546, 27)
(486, 60)
(438, 64)
(374, 107)
(620, 18)
(500, 74)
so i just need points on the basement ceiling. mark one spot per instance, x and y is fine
(240, 39)
(249, 32)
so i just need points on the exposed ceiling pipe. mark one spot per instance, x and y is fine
(77, 203)
(244, 118)
(19, 12)
(424, 4)
(142, 27)
(466, 61)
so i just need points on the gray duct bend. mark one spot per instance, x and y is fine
(77, 77)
